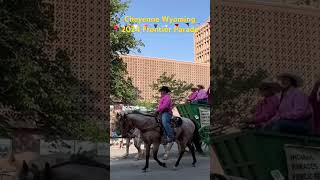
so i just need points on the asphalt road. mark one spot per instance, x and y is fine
(131, 169)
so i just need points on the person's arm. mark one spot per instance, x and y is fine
(300, 107)
(266, 112)
(163, 105)
(192, 97)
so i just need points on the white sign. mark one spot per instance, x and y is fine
(204, 116)
(303, 162)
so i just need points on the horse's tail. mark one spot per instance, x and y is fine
(196, 139)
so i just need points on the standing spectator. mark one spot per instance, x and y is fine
(315, 102)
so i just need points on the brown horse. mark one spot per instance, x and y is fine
(185, 135)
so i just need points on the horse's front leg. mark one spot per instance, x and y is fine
(137, 144)
(147, 157)
(127, 147)
(155, 154)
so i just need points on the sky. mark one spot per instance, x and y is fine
(178, 46)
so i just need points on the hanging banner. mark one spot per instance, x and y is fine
(204, 116)
(303, 162)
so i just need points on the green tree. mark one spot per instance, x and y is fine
(32, 81)
(234, 92)
(122, 43)
(147, 104)
(179, 89)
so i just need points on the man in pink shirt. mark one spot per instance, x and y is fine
(165, 110)
(268, 107)
(295, 112)
(193, 95)
(202, 96)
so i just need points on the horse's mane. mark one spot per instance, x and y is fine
(141, 113)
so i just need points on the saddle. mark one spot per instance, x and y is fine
(175, 123)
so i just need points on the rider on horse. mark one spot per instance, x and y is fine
(165, 111)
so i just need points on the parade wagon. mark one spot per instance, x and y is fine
(255, 155)
(200, 114)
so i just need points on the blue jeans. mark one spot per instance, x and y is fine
(298, 126)
(166, 122)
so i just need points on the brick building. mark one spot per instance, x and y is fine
(83, 29)
(272, 36)
(276, 37)
(146, 70)
(202, 43)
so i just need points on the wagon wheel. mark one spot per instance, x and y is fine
(205, 137)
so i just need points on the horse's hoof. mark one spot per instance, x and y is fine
(175, 168)
(164, 165)
(144, 170)
(193, 165)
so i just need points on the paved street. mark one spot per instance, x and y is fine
(131, 169)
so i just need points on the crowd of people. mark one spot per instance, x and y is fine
(286, 108)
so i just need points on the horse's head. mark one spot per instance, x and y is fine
(124, 124)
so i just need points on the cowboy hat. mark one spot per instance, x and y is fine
(194, 88)
(165, 89)
(297, 79)
(270, 85)
(200, 86)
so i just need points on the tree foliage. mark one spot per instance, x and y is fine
(233, 90)
(31, 80)
(147, 104)
(122, 43)
(179, 89)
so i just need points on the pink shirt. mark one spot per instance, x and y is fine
(193, 96)
(294, 105)
(165, 104)
(266, 109)
(202, 94)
